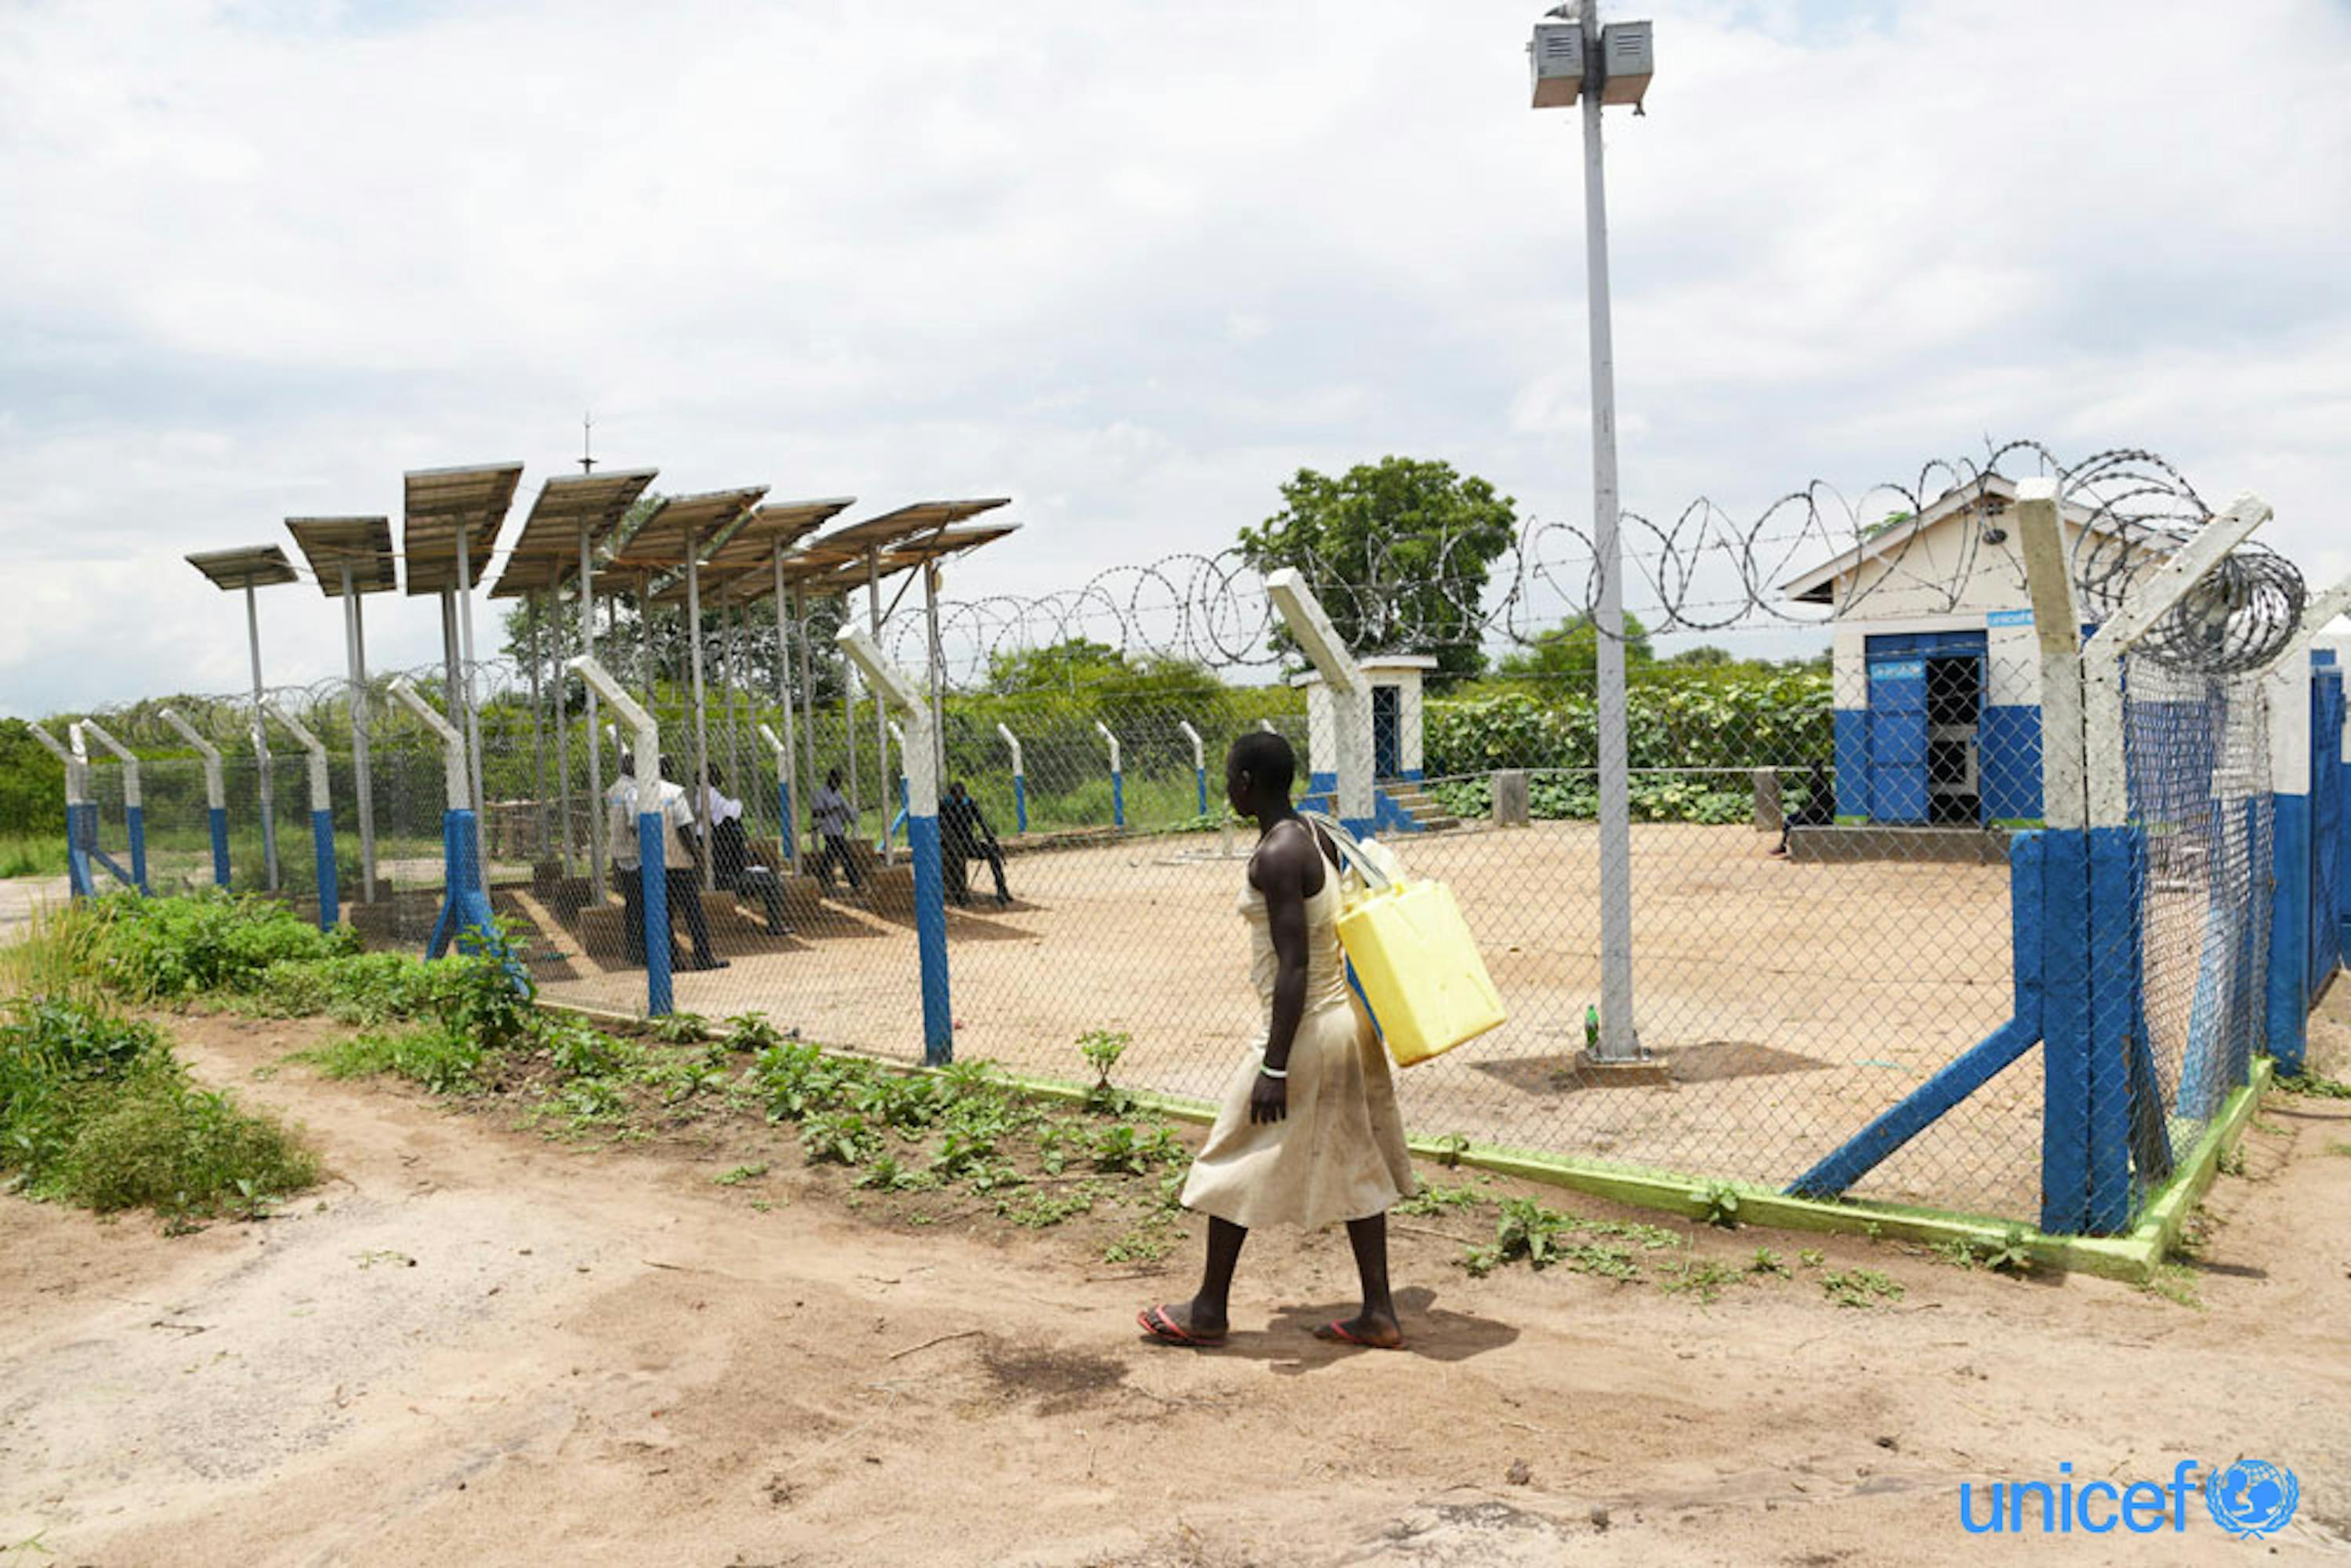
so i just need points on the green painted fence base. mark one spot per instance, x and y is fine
(2132, 1258)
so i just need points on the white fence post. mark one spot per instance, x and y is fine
(322, 815)
(644, 793)
(919, 750)
(1019, 781)
(1117, 777)
(216, 793)
(76, 768)
(134, 816)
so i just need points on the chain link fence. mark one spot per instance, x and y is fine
(1823, 916)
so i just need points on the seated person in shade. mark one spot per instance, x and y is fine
(731, 866)
(1818, 811)
(963, 836)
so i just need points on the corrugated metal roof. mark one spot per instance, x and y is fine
(253, 565)
(659, 539)
(441, 502)
(363, 543)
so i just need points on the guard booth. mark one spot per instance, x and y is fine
(1936, 679)
(1398, 719)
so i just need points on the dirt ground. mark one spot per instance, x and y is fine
(480, 1346)
(1787, 1004)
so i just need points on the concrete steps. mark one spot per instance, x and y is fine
(1417, 804)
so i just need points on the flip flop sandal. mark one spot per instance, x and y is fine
(1155, 1322)
(1336, 1330)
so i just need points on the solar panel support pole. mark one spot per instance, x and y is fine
(472, 713)
(701, 717)
(938, 668)
(261, 745)
(554, 619)
(880, 712)
(730, 623)
(535, 623)
(363, 780)
(596, 847)
(215, 792)
(808, 698)
(785, 777)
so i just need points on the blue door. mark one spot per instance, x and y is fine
(1898, 738)
(2326, 825)
(1387, 732)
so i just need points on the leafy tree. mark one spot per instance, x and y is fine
(32, 782)
(1569, 653)
(1705, 656)
(1398, 550)
(1065, 666)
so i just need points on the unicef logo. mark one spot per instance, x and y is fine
(2251, 1497)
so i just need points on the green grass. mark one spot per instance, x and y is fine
(32, 855)
(96, 1111)
(432, 1055)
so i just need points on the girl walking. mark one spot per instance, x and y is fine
(1308, 1131)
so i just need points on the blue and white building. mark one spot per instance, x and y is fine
(1936, 674)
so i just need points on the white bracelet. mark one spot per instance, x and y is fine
(1274, 1072)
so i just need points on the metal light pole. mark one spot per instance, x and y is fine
(1575, 58)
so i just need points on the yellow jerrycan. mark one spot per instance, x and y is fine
(1410, 952)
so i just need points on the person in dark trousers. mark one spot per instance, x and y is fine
(621, 824)
(965, 836)
(1818, 811)
(731, 866)
(681, 871)
(833, 816)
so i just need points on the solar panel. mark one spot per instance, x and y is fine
(364, 544)
(250, 565)
(440, 503)
(659, 539)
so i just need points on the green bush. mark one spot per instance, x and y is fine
(163, 949)
(94, 1109)
(1734, 717)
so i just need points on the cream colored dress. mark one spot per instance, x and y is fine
(1340, 1153)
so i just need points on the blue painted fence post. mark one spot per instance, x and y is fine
(1117, 778)
(1019, 781)
(322, 844)
(920, 776)
(216, 793)
(652, 879)
(1199, 767)
(652, 898)
(77, 792)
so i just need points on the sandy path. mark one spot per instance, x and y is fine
(602, 1358)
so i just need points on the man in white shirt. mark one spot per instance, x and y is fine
(681, 865)
(621, 833)
(681, 880)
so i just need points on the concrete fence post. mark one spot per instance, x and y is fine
(1019, 781)
(76, 768)
(783, 755)
(465, 897)
(216, 793)
(134, 815)
(892, 686)
(1199, 765)
(322, 815)
(1117, 777)
(644, 791)
(1350, 696)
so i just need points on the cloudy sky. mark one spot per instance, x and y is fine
(1130, 263)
